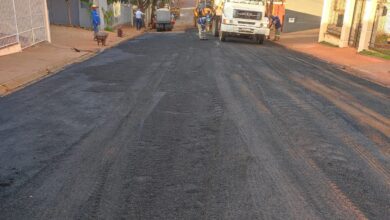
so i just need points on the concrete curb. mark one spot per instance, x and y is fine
(24, 81)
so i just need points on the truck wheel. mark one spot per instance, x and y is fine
(222, 36)
(260, 39)
(215, 27)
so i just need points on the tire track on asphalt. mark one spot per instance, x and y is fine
(53, 162)
(349, 97)
(381, 173)
(336, 126)
(267, 165)
(98, 193)
(337, 78)
(348, 204)
(360, 113)
(368, 157)
(65, 185)
(175, 159)
(135, 118)
(316, 139)
(122, 200)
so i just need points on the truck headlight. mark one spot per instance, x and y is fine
(227, 21)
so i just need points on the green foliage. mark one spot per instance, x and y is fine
(385, 54)
(108, 17)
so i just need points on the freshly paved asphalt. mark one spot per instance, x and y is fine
(169, 127)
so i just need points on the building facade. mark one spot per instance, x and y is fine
(74, 12)
(297, 15)
(24, 23)
(302, 15)
(79, 14)
(363, 24)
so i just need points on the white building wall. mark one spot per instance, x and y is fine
(347, 23)
(325, 18)
(367, 24)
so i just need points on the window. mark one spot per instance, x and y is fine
(336, 17)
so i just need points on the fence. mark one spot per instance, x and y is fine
(23, 22)
(123, 14)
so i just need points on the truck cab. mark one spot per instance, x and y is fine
(243, 18)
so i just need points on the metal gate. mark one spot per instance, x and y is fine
(22, 21)
(379, 34)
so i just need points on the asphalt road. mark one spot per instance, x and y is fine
(170, 127)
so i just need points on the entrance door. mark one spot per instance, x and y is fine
(354, 35)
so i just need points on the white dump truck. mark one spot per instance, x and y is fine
(240, 18)
(163, 19)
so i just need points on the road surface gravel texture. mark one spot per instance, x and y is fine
(166, 126)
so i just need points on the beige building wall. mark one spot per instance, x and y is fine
(302, 15)
(312, 7)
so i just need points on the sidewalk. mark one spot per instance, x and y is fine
(20, 69)
(371, 68)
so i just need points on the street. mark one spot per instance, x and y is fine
(166, 126)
